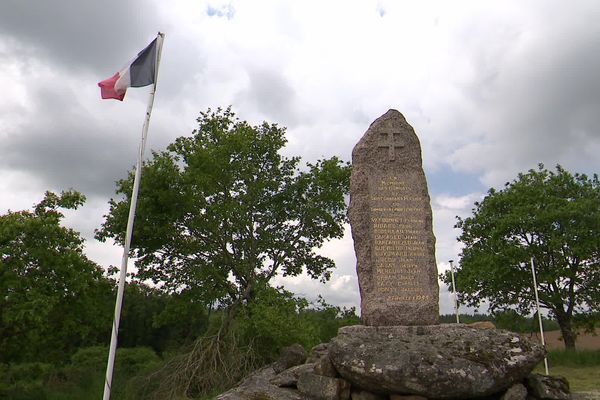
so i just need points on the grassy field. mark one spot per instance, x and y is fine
(581, 368)
(581, 379)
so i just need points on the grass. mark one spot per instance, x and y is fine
(577, 358)
(581, 379)
(581, 368)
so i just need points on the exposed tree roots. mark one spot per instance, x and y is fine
(214, 363)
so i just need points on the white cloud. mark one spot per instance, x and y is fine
(445, 210)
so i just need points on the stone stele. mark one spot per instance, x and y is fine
(391, 220)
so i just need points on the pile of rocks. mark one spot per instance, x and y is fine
(410, 363)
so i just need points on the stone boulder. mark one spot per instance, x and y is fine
(290, 357)
(319, 387)
(548, 387)
(482, 325)
(516, 392)
(258, 386)
(316, 353)
(289, 377)
(435, 361)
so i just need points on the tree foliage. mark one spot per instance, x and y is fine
(223, 211)
(266, 321)
(47, 284)
(161, 321)
(550, 216)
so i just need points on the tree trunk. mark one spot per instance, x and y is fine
(566, 331)
(232, 311)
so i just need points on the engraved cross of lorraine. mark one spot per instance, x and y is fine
(392, 143)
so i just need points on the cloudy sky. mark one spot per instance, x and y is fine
(492, 89)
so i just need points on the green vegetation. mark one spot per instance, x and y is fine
(82, 378)
(142, 374)
(552, 217)
(574, 358)
(581, 368)
(52, 296)
(221, 212)
(580, 379)
(222, 356)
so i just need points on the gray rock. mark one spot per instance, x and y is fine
(483, 325)
(391, 220)
(257, 386)
(364, 395)
(320, 387)
(290, 357)
(289, 377)
(325, 367)
(548, 387)
(406, 397)
(436, 361)
(319, 351)
(518, 391)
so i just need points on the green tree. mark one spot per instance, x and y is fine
(553, 217)
(267, 321)
(48, 288)
(162, 321)
(221, 212)
(327, 319)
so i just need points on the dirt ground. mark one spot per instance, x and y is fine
(585, 341)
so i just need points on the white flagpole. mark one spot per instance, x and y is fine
(537, 303)
(454, 291)
(129, 231)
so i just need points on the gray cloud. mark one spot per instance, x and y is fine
(270, 94)
(59, 143)
(70, 163)
(57, 130)
(80, 33)
(534, 98)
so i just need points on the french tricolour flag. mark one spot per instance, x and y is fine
(140, 72)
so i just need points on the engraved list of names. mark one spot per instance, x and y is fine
(398, 218)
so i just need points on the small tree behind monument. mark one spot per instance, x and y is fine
(553, 217)
(220, 213)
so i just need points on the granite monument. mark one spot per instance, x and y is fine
(391, 220)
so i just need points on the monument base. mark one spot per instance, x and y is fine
(449, 361)
(434, 361)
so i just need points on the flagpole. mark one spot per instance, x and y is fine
(454, 291)
(129, 230)
(537, 302)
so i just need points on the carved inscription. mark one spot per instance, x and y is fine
(398, 218)
(391, 143)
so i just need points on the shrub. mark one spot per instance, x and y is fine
(24, 381)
